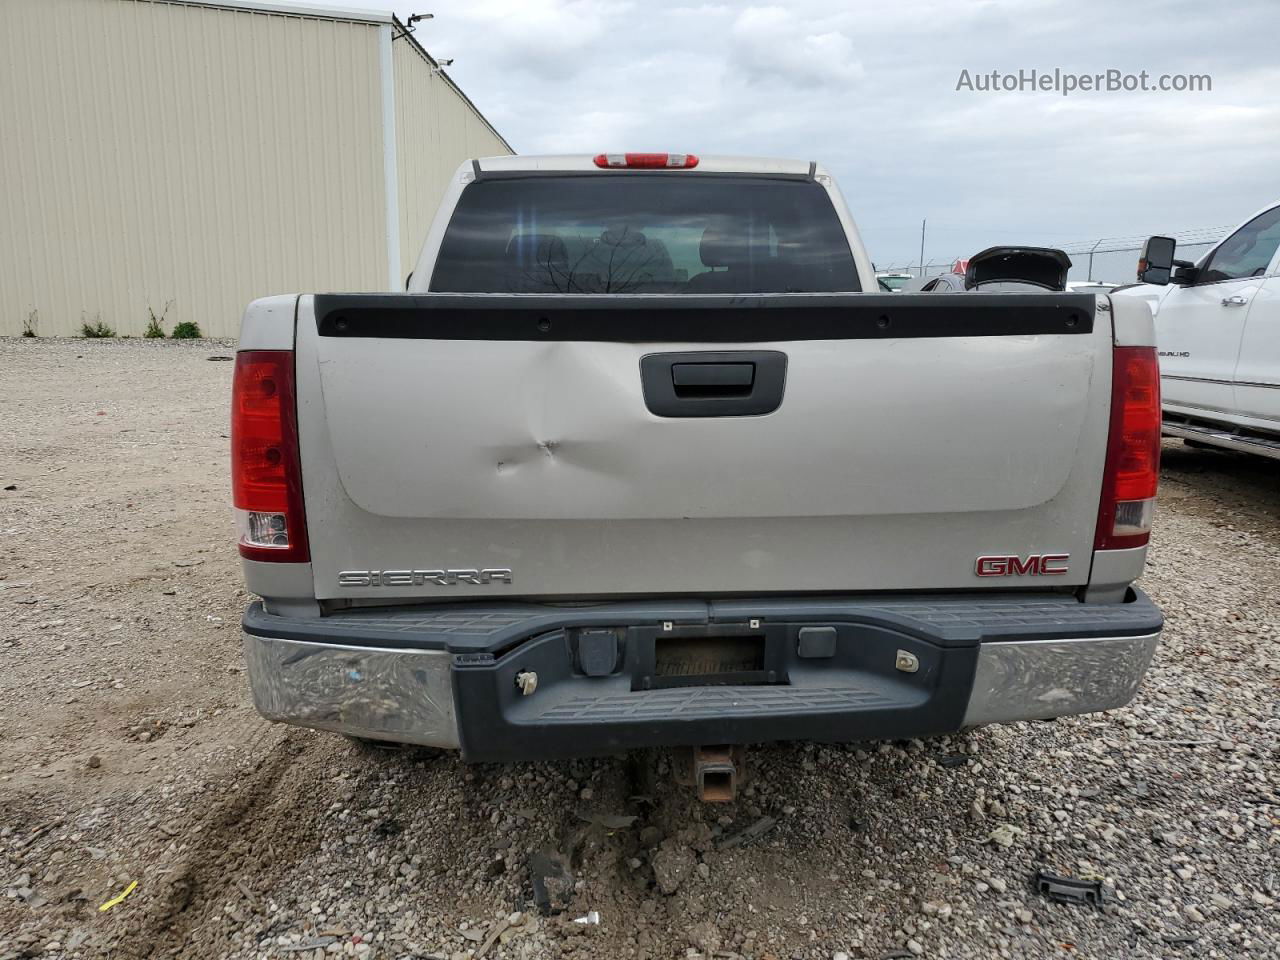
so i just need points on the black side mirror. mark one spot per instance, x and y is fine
(1156, 262)
(1185, 273)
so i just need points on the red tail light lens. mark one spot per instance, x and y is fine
(647, 161)
(1133, 451)
(266, 477)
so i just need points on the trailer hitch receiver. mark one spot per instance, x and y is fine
(715, 772)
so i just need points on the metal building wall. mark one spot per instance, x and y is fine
(155, 152)
(436, 129)
(159, 152)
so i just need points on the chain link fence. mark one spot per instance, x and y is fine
(1106, 260)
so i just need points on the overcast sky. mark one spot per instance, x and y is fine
(870, 90)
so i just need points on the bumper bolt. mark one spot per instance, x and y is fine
(907, 661)
(527, 681)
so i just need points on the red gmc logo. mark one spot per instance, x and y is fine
(1036, 565)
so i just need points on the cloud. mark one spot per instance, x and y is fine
(870, 91)
(604, 130)
(552, 40)
(770, 43)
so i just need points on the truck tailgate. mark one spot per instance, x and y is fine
(442, 434)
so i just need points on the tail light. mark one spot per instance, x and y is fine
(266, 477)
(1133, 451)
(647, 161)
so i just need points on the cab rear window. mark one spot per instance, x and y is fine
(644, 233)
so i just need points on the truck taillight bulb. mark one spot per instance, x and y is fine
(264, 529)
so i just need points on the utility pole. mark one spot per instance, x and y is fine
(922, 223)
(1095, 247)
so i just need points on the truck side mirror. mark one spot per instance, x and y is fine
(1156, 263)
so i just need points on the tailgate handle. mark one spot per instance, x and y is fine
(712, 379)
(731, 383)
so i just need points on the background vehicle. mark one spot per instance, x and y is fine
(1010, 268)
(942, 283)
(635, 463)
(1089, 286)
(1218, 332)
(952, 280)
(893, 282)
(1015, 267)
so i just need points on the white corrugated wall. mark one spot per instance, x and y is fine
(157, 153)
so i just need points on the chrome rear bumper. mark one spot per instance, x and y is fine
(366, 676)
(405, 696)
(1038, 679)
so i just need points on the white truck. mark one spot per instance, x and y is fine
(636, 462)
(1218, 333)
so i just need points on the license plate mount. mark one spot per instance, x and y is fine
(720, 655)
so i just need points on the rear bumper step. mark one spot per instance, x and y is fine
(522, 682)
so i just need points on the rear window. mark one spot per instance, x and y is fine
(644, 233)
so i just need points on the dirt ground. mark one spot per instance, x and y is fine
(130, 754)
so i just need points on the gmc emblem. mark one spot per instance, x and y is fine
(1036, 565)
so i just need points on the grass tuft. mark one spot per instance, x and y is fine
(155, 326)
(97, 330)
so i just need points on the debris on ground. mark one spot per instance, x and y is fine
(552, 881)
(673, 864)
(757, 829)
(119, 897)
(610, 821)
(1062, 889)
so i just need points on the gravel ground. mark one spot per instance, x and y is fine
(129, 753)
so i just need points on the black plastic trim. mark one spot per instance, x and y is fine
(753, 318)
(856, 695)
